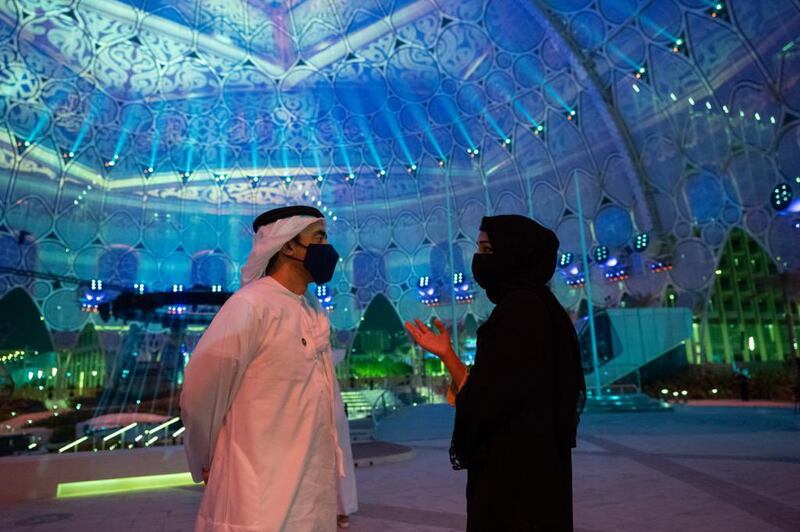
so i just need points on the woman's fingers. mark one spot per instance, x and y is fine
(440, 325)
(412, 330)
(422, 327)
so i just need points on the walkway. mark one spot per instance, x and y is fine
(697, 469)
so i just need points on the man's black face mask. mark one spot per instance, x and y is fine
(320, 261)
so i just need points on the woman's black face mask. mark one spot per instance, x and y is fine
(485, 270)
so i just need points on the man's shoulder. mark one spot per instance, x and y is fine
(257, 294)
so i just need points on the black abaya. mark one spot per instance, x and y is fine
(517, 413)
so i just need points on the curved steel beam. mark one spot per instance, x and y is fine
(618, 130)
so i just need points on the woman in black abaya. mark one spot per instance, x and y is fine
(517, 408)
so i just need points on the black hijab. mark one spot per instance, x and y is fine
(524, 255)
(527, 366)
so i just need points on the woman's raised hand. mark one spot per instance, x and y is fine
(438, 344)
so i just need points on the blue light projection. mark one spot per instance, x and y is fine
(141, 138)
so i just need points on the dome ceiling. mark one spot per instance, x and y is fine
(139, 138)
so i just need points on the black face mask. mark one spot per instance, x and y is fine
(485, 270)
(320, 261)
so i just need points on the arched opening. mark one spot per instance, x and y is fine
(746, 317)
(30, 366)
(381, 349)
(83, 367)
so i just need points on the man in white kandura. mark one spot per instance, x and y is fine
(258, 395)
(347, 495)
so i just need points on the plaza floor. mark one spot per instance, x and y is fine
(696, 469)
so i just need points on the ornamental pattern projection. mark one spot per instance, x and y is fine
(140, 138)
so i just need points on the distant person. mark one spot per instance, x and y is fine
(796, 360)
(258, 399)
(517, 409)
(743, 382)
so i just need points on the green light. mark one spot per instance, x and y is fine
(642, 240)
(718, 7)
(601, 253)
(122, 485)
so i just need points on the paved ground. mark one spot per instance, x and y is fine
(697, 469)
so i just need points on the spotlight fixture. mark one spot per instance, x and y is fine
(601, 254)
(781, 197)
(677, 46)
(441, 163)
(506, 143)
(616, 275)
(325, 298)
(661, 265)
(320, 179)
(90, 307)
(411, 169)
(639, 74)
(176, 310)
(428, 295)
(349, 177)
(576, 282)
(68, 154)
(220, 179)
(185, 175)
(472, 152)
(565, 259)
(22, 145)
(572, 114)
(461, 288)
(718, 11)
(148, 171)
(538, 130)
(380, 173)
(288, 179)
(254, 179)
(641, 242)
